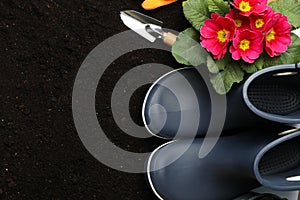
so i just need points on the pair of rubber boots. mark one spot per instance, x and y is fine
(254, 148)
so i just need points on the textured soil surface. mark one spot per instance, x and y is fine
(43, 44)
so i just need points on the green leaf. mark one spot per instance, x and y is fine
(269, 61)
(211, 65)
(290, 8)
(214, 66)
(196, 12)
(184, 2)
(253, 67)
(223, 81)
(187, 49)
(291, 56)
(218, 6)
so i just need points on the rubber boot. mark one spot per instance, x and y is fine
(236, 165)
(183, 103)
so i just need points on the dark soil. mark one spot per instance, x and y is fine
(43, 44)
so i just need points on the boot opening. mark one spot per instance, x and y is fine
(281, 159)
(276, 94)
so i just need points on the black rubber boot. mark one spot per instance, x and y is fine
(236, 165)
(183, 103)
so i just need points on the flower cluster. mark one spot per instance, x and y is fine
(249, 28)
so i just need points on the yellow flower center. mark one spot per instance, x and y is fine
(238, 23)
(245, 6)
(245, 45)
(222, 35)
(271, 36)
(259, 23)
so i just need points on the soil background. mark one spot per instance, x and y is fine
(42, 45)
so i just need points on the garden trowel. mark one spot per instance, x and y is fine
(146, 26)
